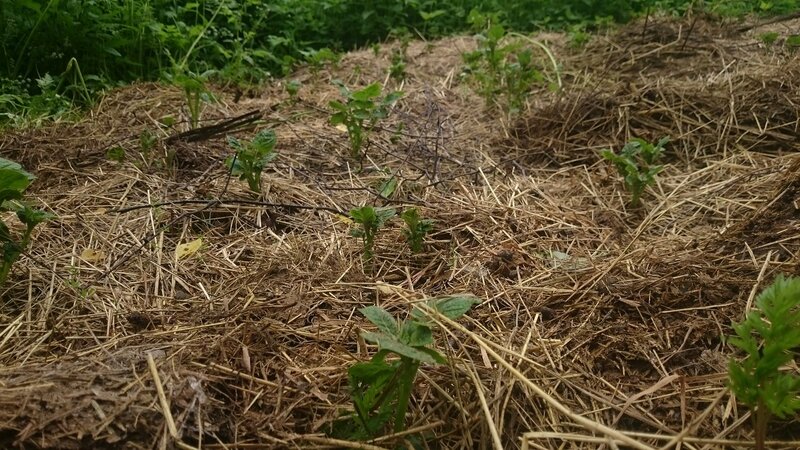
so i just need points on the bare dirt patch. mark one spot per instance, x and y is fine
(616, 313)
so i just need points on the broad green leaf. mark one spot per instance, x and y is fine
(370, 370)
(394, 345)
(381, 319)
(434, 354)
(388, 187)
(32, 217)
(14, 179)
(451, 306)
(264, 141)
(415, 334)
(9, 194)
(368, 93)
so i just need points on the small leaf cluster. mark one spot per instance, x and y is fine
(381, 388)
(369, 220)
(505, 71)
(252, 157)
(416, 228)
(361, 111)
(14, 180)
(770, 336)
(637, 164)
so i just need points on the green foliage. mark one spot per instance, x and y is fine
(416, 229)
(504, 71)
(251, 157)
(13, 182)
(245, 42)
(637, 165)
(317, 59)
(360, 112)
(195, 93)
(770, 336)
(769, 38)
(369, 221)
(380, 388)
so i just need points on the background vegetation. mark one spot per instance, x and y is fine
(61, 52)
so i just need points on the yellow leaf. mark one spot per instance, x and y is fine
(91, 255)
(341, 127)
(345, 219)
(188, 249)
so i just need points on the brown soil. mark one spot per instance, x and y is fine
(599, 322)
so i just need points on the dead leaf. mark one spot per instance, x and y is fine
(92, 255)
(188, 249)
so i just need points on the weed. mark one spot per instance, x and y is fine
(195, 93)
(116, 154)
(416, 229)
(251, 157)
(381, 389)
(360, 112)
(770, 335)
(793, 42)
(397, 70)
(636, 163)
(505, 70)
(369, 221)
(768, 38)
(293, 88)
(317, 59)
(13, 182)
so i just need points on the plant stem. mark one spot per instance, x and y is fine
(761, 420)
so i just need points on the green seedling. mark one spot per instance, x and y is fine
(636, 163)
(505, 70)
(195, 93)
(13, 182)
(793, 42)
(293, 88)
(317, 59)
(360, 112)
(416, 229)
(252, 157)
(770, 335)
(397, 70)
(768, 38)
(381, 388)
(116, 154)
(369, 221)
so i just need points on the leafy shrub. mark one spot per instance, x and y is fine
(369, 220)
(504, 69)
(770, 336)
(360, 112)
(13, 182)
(636, 163)
(252, 157)
(416, 229)
(380, 388)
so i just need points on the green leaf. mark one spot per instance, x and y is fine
(388, 187)
(8, 194)
(14, 179)
(392, 344)
(451, 306)
(381, 319)
(264, 141)
(368, 93)
(415, 334)
(32, 217)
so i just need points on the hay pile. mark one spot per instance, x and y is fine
(599, 325)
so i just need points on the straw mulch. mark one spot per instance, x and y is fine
(600, 324)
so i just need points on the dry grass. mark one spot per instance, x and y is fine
(600, 327)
